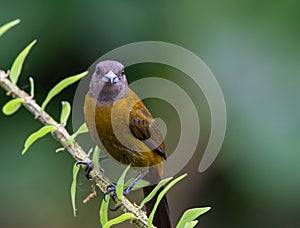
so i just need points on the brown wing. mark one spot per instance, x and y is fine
(145, 128)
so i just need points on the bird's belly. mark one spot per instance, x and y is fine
(120, 144)
(109, 128)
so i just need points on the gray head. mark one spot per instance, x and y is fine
(108, 82)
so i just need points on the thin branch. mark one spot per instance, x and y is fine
(62, 136)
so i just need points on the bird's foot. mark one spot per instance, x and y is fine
(111, 189)
(89, 167)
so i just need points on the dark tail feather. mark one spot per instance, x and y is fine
(162, 215)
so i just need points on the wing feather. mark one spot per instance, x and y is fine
(144, 127)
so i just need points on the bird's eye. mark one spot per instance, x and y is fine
(97, 70)
(123, 72)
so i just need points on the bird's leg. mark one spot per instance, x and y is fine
(111, 188)
(89, 167)
(102, 158)
(136, 179)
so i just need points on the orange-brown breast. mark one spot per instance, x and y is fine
(119, 129)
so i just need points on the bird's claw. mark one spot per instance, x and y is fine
(111, 189)
(89, 167)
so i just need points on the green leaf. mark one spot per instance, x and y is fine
(191, 224)
(190, 215)
(9, 25)
(104, 210)
(120, 184)
(60, 86)
(82, 129)
(154, 191)
(18, 63)
(65, 112)
(12, 106)
(36, 135)
(140, 184)
(96, 155)
(161, 195)
(73, 187)
(121, 218)
(31, 86)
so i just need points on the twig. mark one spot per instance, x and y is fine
(91, 195)
(62, 136)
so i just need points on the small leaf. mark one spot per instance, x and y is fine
(18, 63)
(190, 215)
(104, 210)
(191, 224)
(9, 25)
(82, 129)
(121, 218)
(96, 155)
(154, 191)
(161, 195)
(12, 106)
(60, 86)
(65, 112)
(31, 86)
(73, 187)
(120, 184)
(36, 135)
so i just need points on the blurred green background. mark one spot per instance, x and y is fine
(253, 48)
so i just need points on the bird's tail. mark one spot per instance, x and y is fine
(162, 215)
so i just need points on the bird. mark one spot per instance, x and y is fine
(120, 124)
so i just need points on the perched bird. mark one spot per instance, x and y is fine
(119, 123)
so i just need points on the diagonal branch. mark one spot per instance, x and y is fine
(62, 136)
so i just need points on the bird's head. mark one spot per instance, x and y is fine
(108, 82)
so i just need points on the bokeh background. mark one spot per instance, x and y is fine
(254, 51)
